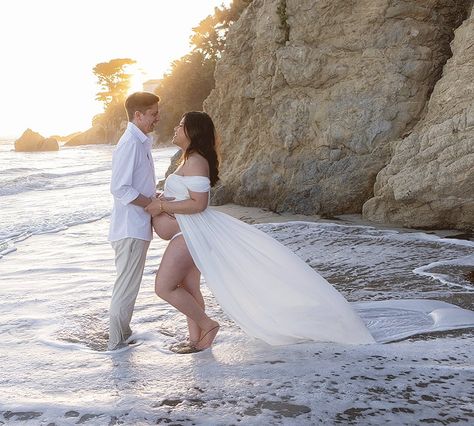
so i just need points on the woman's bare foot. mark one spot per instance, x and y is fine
(208, 336)
(184, 348)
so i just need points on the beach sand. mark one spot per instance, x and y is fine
(254, 215)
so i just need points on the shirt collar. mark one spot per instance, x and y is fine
(137, 132)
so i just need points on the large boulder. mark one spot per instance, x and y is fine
(306, 122)
(31, 141)
(429, 181)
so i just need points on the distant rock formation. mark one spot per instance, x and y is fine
(31, 141)
(308, 122)
(429, 181)
(106, 129)
(94, 135)
(65, 138)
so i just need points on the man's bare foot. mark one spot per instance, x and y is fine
(208, 336)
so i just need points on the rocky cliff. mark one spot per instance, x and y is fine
(429, 181)
(311, 95)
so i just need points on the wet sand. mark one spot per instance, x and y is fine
(254, 215)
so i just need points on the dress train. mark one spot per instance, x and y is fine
(275, 296)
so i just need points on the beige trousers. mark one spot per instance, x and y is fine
(130, 255)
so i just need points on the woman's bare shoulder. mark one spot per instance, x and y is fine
(196, 165)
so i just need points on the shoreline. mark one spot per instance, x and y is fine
(256, 215)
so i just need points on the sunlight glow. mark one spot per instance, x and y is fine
(46, 79)
(137, 80)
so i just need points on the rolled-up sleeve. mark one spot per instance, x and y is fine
(122, 173)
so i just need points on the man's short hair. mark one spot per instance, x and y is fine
(140, 101)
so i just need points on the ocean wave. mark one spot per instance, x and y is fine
(452, 273)
(5, 249)
(44, 181)
(9, 237)
(7, 171)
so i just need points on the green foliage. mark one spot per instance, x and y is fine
(184, 89)
(191, 77)
(281, 11)
(209, 36)
(113, 80)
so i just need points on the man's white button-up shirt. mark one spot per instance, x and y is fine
(133, 173)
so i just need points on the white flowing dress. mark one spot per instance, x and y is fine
(275, 296)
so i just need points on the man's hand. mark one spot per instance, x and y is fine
(154, 208)
(142, 201)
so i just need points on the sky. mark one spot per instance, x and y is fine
(48, 49)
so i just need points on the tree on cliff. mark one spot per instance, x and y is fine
(191, 78)
(114, 80)
(210, 35)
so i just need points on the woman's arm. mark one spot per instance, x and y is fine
(197, 202)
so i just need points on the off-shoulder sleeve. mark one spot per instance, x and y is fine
(197, 183)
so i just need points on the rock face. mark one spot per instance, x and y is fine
(429, 181)
(95, 135)
(107, 129)
(307, 123)
(32, 141)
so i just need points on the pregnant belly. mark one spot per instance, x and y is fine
(165, 226)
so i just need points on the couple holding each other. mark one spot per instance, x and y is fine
(265, 288)
(133, 186)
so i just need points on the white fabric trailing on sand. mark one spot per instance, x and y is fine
(275, 296)
(392, 320)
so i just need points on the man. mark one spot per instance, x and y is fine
(133, 186)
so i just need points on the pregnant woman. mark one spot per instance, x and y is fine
(178, 278)
(264, 287)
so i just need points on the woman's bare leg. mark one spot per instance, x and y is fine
(191, 284)
(175, 266)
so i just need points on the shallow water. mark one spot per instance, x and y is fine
(372, 264)
(55, 289)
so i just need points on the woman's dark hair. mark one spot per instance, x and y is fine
(200, 130)
(140, 101)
